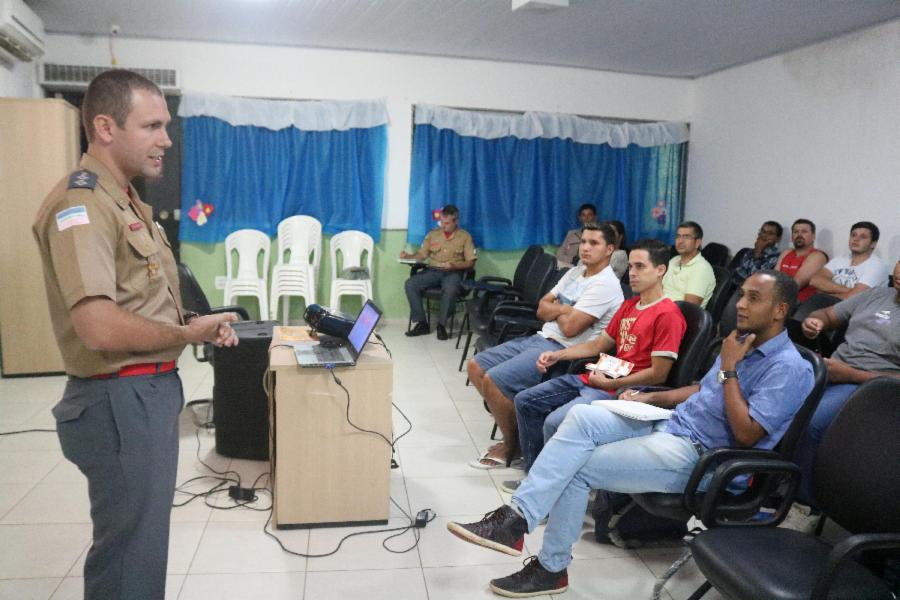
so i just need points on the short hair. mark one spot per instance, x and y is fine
(872, 227)
(658, 251)
(698, 231)
(587, 206)
(619, 226)
(109, 93)
(784, 289)
(805, 222)
(450, 211)
(778, 228)
(608, 233)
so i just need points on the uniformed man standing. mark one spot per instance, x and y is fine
(450, 253)
(112, 286)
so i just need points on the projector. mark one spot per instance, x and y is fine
(333, 324)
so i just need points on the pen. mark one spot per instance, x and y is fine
(635, 392)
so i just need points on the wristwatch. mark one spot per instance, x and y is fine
(724, 376)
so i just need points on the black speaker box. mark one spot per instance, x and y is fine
(240, 406)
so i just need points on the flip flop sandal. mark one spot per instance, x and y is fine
(491, 462)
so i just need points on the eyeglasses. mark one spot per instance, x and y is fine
(685, 236)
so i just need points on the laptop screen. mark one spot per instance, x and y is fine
(365, 324)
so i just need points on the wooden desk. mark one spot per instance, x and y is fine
(325, 472)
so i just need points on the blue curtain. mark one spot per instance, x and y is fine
(515, 192)
(254, 177)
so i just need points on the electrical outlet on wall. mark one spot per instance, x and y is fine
(220, 282)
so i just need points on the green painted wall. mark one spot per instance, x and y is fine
(208, 260)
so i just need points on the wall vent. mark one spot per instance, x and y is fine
(55, 77)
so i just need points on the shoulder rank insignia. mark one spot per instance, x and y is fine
(83, 179)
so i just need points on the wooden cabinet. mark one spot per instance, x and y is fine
(324, 471)
(39, 144)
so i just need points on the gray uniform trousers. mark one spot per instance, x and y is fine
(122, 433)
(418, 283)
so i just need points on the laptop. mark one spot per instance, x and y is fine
(345, 351)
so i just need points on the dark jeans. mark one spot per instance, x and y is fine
(122, 433)
(551, 399)
(448, 281)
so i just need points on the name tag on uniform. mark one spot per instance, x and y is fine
(135, 226)
(76, 215)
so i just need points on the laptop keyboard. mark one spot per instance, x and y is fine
(330, 354)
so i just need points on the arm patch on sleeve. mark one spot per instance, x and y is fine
(76, 215)
(83, 179)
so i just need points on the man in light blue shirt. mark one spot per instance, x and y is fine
(747, 399)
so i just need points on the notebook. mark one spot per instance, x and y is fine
(345, 351)
(635, 410)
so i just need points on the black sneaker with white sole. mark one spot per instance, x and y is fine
(502, 530)
(533, 580)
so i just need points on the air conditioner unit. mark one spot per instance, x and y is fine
(63, 78)
(21, 32)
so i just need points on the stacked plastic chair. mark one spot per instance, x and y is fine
(249, 279)
(355, 275)
(296, 269)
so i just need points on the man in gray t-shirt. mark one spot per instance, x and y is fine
(871, 349)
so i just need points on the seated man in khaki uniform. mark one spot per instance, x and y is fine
(450, 253)
(568, 248)
(112, 287)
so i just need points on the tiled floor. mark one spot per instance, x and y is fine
(215, 554)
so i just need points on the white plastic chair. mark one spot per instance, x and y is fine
(296, 270)
(248, 280)
(352, 245)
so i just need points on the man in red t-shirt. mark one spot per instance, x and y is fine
(803, 260)
(646, 331)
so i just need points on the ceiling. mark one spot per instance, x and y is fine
(675, 38)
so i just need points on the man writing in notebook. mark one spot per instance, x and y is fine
(450, 252)
(747, 399)
(645, 332)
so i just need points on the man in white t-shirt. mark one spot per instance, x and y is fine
(846, 276)
(576, 310)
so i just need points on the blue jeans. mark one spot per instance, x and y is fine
(595, 448)
(536, 404)
(833, 399)
(512, 365)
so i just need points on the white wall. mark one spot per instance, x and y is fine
(812, 133)
(403, 80)
(18, 80)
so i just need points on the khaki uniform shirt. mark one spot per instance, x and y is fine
(568, 249)
(94, 241)
(440, 250)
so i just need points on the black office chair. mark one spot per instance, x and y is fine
(715, 254)
(728, 317)
(721, 293)
(488, 291)
(194, 299)
(516, 318)
(694, 344)
(856, 480)
(742, 507)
